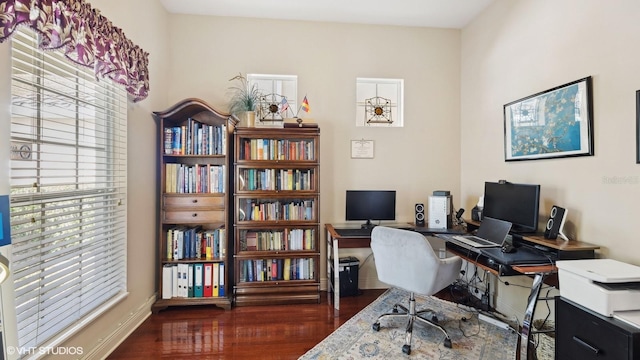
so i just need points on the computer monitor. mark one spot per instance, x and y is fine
(370, 205)
(516, 203)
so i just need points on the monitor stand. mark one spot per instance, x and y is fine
(367, 225)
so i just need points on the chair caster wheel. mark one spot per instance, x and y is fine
(447, 343)
(434, 319)
(376, 327)
(406, 349)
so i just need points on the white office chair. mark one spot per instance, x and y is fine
(404, 259)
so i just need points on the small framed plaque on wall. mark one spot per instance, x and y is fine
(362, 149)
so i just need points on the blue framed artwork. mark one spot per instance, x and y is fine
(554, 123)
(5, 228)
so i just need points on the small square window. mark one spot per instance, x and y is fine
(279, 98)
(379, 102)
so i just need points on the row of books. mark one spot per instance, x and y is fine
(277, 149)
(197, 280)
(274, 240)
(252, 210)
(277, 269)
(193, 179)
(195, 138)
(195, 243)
(276, 179)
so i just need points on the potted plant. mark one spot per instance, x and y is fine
(244, 100)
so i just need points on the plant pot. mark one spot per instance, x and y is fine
(247, 119)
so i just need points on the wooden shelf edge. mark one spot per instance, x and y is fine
(161, 304)
(277, 299)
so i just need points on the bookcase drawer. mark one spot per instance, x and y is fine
(193, 202)
(194, 216)
(260, 295)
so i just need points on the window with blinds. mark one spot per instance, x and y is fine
(68, 192)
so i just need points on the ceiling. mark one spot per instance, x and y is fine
(424, 13)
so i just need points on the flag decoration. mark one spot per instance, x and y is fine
(284, 105)
(305, 105)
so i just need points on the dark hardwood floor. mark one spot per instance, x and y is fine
(256, 332)
(251, 332)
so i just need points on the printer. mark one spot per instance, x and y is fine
(602, 285)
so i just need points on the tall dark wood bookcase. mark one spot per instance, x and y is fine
(277, 206)
(194, 247)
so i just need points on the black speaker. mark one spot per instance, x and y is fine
(555, 223)
(419, 214)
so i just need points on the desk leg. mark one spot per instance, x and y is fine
(336, 275)
(333, 271)
(525, 334)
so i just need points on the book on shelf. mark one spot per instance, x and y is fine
(193, 280)
(280, 149)
(198, 270)
(215, 279)
(260, 270)
(174, 280)
(208, 280)
(195, 138)
(221, 275)
(167, 281)
(195, 243)
(269, 210)
(183, 280)
(194, 179)
(190, 280)
(287, 274)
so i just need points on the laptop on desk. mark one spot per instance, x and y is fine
(491, 234)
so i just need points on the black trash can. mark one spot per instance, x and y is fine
(349, 276)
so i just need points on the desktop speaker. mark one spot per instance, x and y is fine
(440, 212)
(555, 223)
(420, 215)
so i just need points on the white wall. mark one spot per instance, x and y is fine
(518, 48)
(423, 156)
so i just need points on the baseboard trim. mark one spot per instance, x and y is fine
(110, 342)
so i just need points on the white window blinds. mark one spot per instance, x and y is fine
(68, 192)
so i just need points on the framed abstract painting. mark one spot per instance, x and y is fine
(551, 124)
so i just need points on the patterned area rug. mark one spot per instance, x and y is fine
(472, 339)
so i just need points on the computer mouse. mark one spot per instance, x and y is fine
(506, 248)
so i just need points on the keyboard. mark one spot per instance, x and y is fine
(354, 232)
(473, 239)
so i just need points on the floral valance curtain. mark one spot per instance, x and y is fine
(85, 36)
